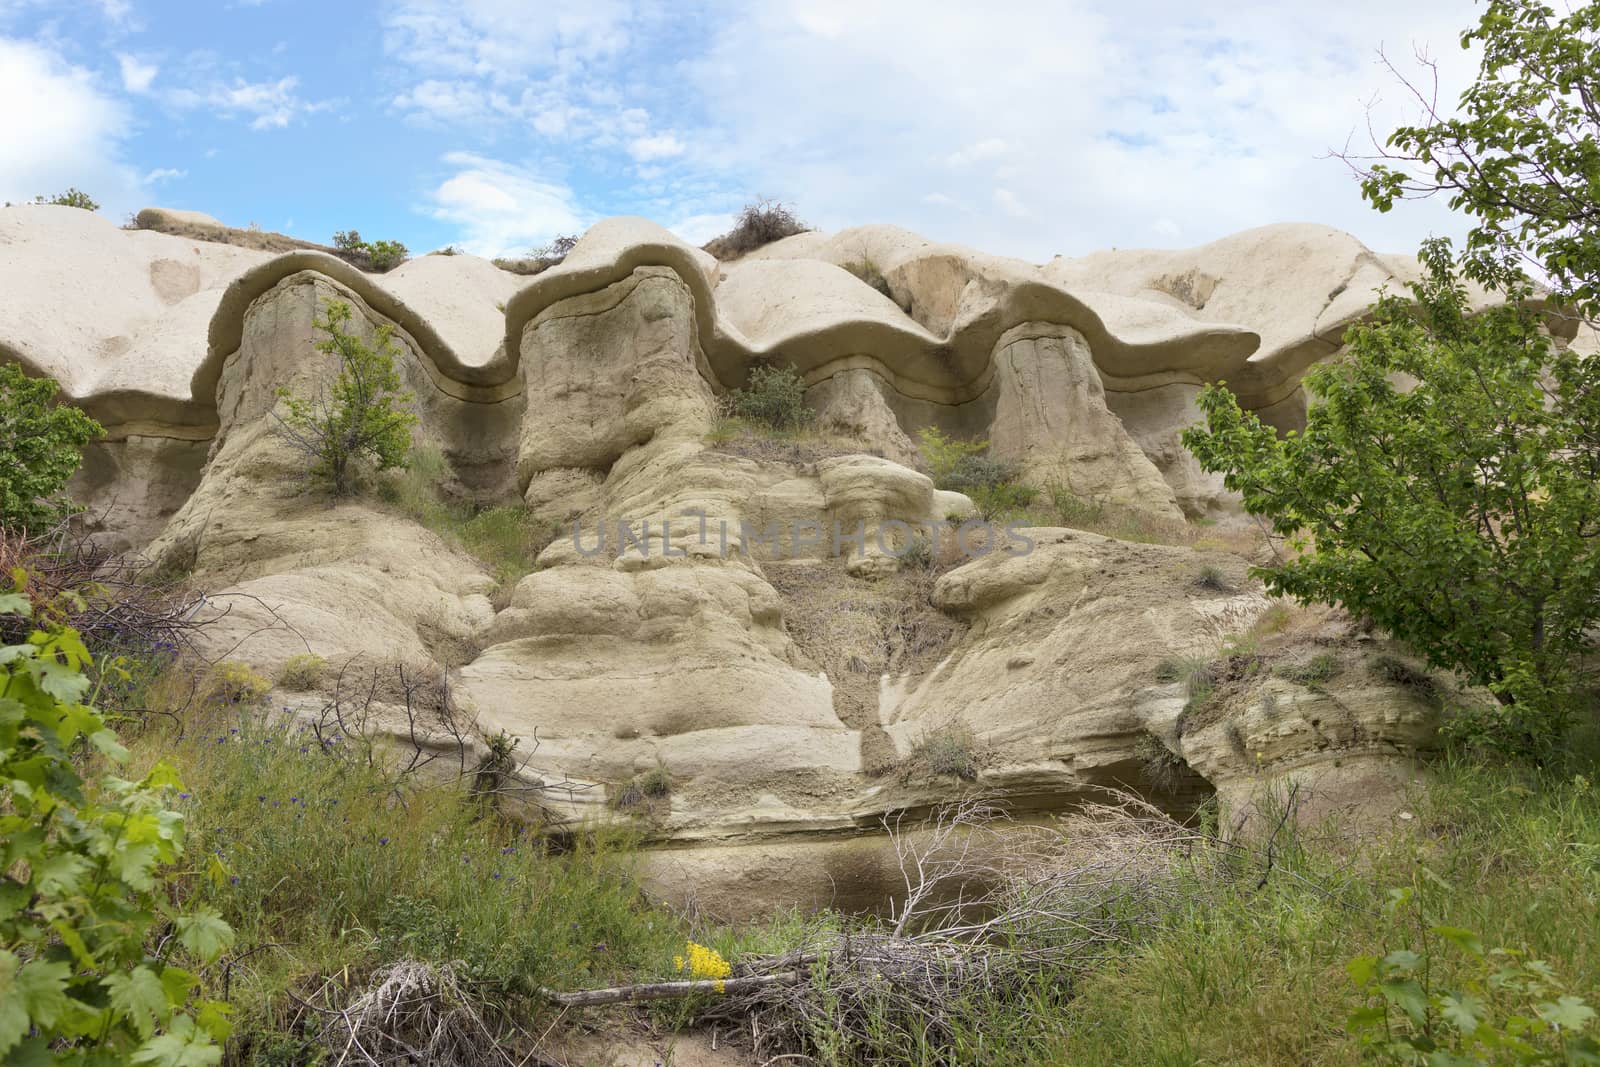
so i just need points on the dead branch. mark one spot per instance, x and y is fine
(629, 994)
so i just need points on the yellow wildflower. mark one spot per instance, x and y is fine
(704, 963)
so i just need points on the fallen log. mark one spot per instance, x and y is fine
(666, 990)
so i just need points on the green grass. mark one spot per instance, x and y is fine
(506, 539)
(327, 868)
(1313, 673)
(1243, 974)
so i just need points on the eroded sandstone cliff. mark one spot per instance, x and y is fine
(786, 690)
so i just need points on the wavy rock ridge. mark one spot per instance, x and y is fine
(778, 689)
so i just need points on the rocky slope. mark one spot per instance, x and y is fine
(791, 691)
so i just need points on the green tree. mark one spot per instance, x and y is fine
(362, 417)
(73, 197)
(1461, 513)
(82, 981)
(1522, 157)
(386, 255)
(41, 445)
(381, 255)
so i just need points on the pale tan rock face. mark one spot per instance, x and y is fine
(786, 684)
(1051, 416)
(1338, 745)
(613, 370)
(1155, 418)
(1061, 639)
(682, 666)
(855, 402)
(136, 484)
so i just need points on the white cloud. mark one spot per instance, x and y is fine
(1031, 127)
(1008, 202)
(449, 101)
(1066, 125)
(71, 131)
(659, 146)
(268, 104)
(163, 174)
(988, 148)
(502, 209)
(698, 229)
(136, 74)
(502, 39)
(272, 104)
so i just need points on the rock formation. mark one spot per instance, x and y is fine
(786, 689)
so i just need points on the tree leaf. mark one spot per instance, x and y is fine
(1407, 995)
(139, 997)
(185, 1045)
(204, 933)
(1567, 1013)
(1465, 940)
(1464, 1012)
(1362, 970)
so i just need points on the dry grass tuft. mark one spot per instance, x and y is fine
(759, 223)
(413, 1012)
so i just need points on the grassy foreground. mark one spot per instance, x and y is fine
(329, 869)
(1248, 974)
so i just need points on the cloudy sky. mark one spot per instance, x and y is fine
(1030, 128)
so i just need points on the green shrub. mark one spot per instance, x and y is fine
(1212, 579)
(775, 397)
(73, 197)
(41, 445)
(1162, 766)
(357, 420)
(1397, 671)
(351, 864)
(1314, 673)
(1501, 1007)
(83, 978)
(558, 249)
(1197, 674)
(386, 255)
(234, 682)
(507, 539)
(992, 484)
(1506, 852)
(943, 454)
(868, 272)
(918, 554)
(302, 673)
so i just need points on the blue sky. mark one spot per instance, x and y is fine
(1023, 127)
